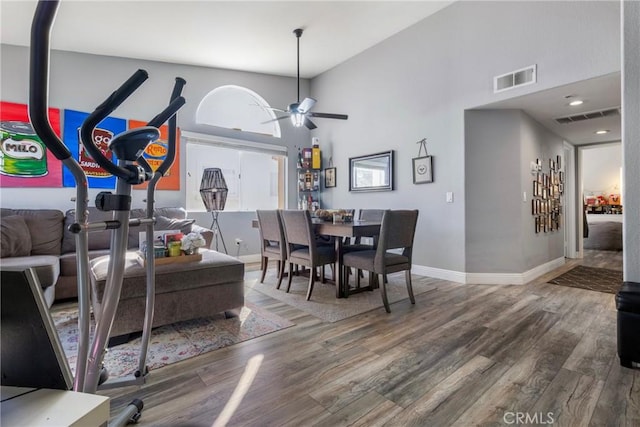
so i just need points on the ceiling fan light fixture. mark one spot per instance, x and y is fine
(297, 119)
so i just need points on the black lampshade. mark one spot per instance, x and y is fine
(213, 189)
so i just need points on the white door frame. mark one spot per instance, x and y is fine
(573, 214)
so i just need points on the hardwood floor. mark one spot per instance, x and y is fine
(462, 355)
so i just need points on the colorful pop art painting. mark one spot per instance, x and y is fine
(102, 135)
(155, 155)
(24, 159)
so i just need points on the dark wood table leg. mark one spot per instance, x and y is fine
(339, 279)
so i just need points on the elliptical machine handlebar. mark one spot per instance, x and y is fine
(171, 153)
(39, 78)
(100, 113)
(176, 102)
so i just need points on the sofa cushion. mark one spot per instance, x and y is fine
(16, 239)
(45, 227)
(47, 267)
(164, 223)
(69, 265)
(170, 212)
(97, 239)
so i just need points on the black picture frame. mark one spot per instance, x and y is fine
(422, 169)
(361, 168)
(330, 177)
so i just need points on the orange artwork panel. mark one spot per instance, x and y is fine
(156, 153)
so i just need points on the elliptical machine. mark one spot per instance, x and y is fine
(130, 170)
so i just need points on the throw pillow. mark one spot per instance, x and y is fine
(16, 239)
(164, 223)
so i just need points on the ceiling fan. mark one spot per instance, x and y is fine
(298, 111)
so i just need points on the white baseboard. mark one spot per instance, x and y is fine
(488, 278)
(250, 258)
(439, 273)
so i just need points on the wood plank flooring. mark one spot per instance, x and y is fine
(463, 355)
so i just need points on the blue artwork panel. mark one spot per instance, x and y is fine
(102, 135)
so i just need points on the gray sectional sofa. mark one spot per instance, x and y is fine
(39, 238)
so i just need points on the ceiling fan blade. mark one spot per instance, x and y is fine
(306, 105)
(309, 124)
(276, 119)
(329, 116)
(275, 109)
(268, 108)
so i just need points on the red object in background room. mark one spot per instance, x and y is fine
(601, 200)
(591, 201)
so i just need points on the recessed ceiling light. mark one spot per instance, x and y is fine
(602, 132)
(576, 102)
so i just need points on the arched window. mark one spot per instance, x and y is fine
(236, 107)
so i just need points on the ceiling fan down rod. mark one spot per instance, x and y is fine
(298, 33)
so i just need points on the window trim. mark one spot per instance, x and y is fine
(238, 144)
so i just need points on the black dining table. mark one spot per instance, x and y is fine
(341, 230)
(356, 228)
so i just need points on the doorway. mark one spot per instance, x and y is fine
(601, 194)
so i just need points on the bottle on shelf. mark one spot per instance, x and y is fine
(316, 158)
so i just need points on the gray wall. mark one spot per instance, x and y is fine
(631, 139)
(81, 82)
(492, 206)
(537, 143)
(419, 82)
(500, 146)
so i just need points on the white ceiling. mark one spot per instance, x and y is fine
(252, 36)
(257, 36)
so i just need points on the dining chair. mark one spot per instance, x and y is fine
(358, 245)
(272, 242)
(302, 248)
(397, 231)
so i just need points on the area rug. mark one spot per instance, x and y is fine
(591, 278)
(172, 343)
(325, 305)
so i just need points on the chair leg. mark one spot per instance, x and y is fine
(281, 273)
(345, 276)
(385, 301)
(265, 263)
(310, 289)
(407, 276)
(290, 276)
(373, 280)
(322, 276)
(358, 278)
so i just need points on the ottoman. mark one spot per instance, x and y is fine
(628, 304)
(184, 291)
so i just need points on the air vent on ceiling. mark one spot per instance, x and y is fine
(524, 76)
(588, 116)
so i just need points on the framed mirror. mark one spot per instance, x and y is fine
(373, 172)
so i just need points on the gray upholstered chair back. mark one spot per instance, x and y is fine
(298, 229)
(371, 214)
(396, 231)
(271, 229)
